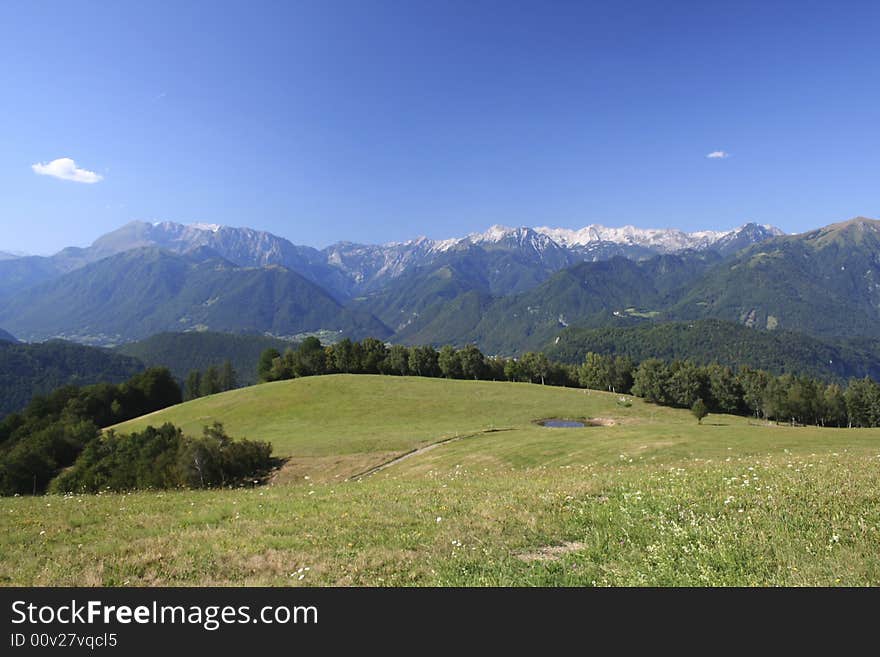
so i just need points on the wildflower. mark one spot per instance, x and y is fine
(439, 518)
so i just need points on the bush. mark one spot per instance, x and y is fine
(165, 458)
(699, 410)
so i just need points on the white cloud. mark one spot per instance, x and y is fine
(718, 155)
(65, 169)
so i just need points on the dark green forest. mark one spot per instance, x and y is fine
(27, 370)
(57, 443)
(49, 434)
(711, 340)
(184, 352)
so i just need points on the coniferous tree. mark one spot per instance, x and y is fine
(193, 387)
(210, 384)
(228, 378)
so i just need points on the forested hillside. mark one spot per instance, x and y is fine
(184, 352)
(728, 343)
(27, 370)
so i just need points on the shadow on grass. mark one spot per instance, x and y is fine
(275, 465)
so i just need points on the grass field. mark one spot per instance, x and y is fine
(652, 499)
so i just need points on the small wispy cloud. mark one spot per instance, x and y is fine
(718, 155)
(65, 168)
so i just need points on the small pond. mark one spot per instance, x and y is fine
(562, 424)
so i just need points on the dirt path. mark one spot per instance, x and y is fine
(418, 451)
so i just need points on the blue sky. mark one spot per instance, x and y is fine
(379, 121)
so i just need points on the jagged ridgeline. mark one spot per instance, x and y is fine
(506, 290)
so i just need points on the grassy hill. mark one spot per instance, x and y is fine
(355, 416)
(649, 498)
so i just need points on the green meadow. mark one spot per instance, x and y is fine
(645, 497)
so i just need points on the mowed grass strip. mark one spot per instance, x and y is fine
(654, 500)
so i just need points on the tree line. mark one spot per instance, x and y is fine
(678, 383)
(51, 432)
(210, 381)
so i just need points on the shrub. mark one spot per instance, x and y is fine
(165, 458)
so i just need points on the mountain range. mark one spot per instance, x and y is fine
(143, 291)
(347, 269)
(506, 289)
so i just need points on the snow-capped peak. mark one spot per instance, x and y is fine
(658, 239)
(495, 233)
(212, 228)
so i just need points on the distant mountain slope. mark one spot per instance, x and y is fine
(420, 295)
(415, 298)
(241, 246)
(146, 291)
(728, 343)
(825, 282)
(184, 352)
(18, 274)
(245, 247)
(35, 369)
(617, 291)
(7, 337)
